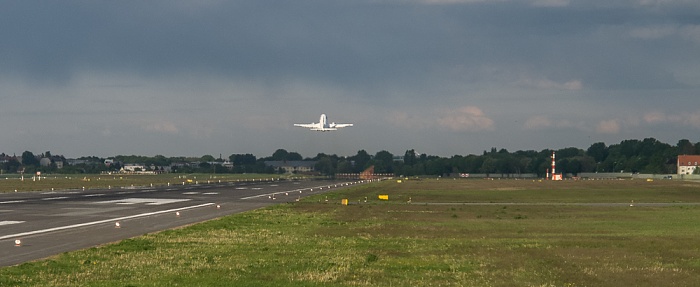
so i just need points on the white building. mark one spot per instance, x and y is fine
(133, 167)
(292, 166)
(687, 164)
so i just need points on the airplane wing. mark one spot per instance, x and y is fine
(312, 125)
(341, 125)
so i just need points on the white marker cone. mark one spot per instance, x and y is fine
(177, 214)
(18, 243)
(117, 225)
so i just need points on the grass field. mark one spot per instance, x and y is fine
(392, 243)
(10, 183)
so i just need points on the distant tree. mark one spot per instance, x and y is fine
(208, 158)
(293, 156)
(598, 151)
(409, 158)
(488, 166)
(28, 159)
(569, 152)
(11, 165)
(220, 169)
(416, 169)
(280, 154)
(242, 161)
(158, 160)
(325, 166)
(574, 166)
(629, 148)
(437, 166)
(361, 160)
(383, 162)
(684, 146)
(468, 164)
(344, 166)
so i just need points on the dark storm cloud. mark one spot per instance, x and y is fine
(347, 43)
(252, 39)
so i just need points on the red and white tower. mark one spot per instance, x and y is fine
(554, 165)
(555, 176)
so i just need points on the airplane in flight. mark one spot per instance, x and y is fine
(323, 125)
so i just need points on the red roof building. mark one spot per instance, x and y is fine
(687, 164)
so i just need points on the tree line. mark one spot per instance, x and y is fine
(632, 156)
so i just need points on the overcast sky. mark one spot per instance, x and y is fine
(443, 77)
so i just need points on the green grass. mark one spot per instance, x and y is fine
(10, 183)
(392, 243)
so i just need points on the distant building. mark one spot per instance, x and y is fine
(45, 161)
(293, 166)
(73, 161)
(687, 164)
(57, 161)
(133, 167)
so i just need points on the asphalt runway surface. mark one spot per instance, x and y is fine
(50, 223)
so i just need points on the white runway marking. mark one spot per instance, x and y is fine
(256, 196)
(262, 195)
(280, 192)
(241, 188)
(210, 193)
(190, 193)
(10, 222)
(147, 201)
(93, 195)
(12, 201)
(101, 221)
(55, 198)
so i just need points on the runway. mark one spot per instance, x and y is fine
(50, 223)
